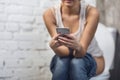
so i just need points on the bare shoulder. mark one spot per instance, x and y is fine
(92, 16)
(92, 11)
(48, 14)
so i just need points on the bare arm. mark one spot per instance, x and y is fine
(89, 30)
(50, 23)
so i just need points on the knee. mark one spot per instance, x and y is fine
(61, 63)
(78, 70)
(77, 66)
(77, 62)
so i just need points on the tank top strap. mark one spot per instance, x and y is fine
(57, 14)
(82, 15)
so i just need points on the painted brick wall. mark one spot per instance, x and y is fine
(24, 51)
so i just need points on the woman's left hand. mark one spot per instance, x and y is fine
(70, 41)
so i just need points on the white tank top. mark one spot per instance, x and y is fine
(93, 48)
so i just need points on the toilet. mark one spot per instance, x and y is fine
(106, 40)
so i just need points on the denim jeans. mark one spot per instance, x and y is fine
(71, 68)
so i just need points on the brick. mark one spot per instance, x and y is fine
(6, 73)
(18, 64)
(11, 45)
(1, 64)
(13, 78)
(3, 17)
(24, 2)
(48, 54)
(4, 53)
(14, 62)
(2, 46)
(5, 35)
(29, 74)
(29, 36)
(12, 27)
(25, 45)
(38, 11)
(3, 1)
(19, 9)
(39, 20)
(30, 2)
(39, 45)
(26, 27)
(24, 54)
(21, 18)
(45, 74)
(2, 8)
(2, 26)
(40, 28)
(47, 4)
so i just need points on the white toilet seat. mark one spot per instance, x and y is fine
(107, 45)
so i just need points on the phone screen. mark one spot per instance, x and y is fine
(63, 30)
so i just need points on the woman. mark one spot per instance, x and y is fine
(77, 55)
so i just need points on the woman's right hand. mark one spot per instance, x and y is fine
(54, 43)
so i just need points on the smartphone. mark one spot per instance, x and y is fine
(62, 31)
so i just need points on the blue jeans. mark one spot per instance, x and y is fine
(71, 68)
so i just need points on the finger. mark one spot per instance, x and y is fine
(70, 36)
(57, 43)
(56, 37)
(65, 42)
(65, 39)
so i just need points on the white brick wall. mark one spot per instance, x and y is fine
(24, 51)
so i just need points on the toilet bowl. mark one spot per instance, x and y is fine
(106, 41)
